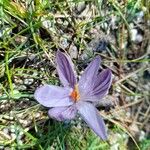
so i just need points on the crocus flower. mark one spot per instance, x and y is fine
(77, 97)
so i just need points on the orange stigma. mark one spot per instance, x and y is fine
(75, 94)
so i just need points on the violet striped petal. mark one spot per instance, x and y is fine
(91, 116)
(100, 86)
(86, 80)
(102, 83)
(65, 69)
(63, 113)
(53, 96)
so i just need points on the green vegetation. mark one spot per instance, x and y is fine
(30, 34)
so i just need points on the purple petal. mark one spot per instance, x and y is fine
(102, 83)
(65, 69)
(100, 86)
(89, 74)
(53, 96)
(91, 116)
(63, 113)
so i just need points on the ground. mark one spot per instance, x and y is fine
(31, 33)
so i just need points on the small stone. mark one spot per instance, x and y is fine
(139, 38)
(65, 23)
(22, 87)
(128, 99)
(113, 21)
(24, 122)
(105, 25)
(1, 34)
(20, 137)
(13, 130)
(113, 138)
(148, 22)
(140, 16)
(7, 148)
(59, 21)
(12, 127)
(13, 135)
(135, 36)
(20, 39)
(20, 142)
(84, 56)
(142, 135)
(80, 7)
(134, 129)
(128, 114)
(28, 81)
(18, 81)
(26, 129)
(5, 130)
(42, 69)
(73, 51)
(37, 115)
(118, 89)
(115, 147)
(131, 25)
(1, 147)
(46, 22)
(21, 133)
(98, 45)
(2, 106)
(64, 43)
(32, 57)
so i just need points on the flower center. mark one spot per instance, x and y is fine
(75, 94)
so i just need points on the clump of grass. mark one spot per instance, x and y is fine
(30, 34)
